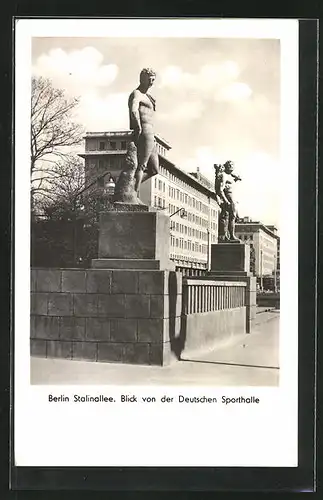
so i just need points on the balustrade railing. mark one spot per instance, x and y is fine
(201, 296)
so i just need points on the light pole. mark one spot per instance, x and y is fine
(183, 213)
(275, 274)
(261, 280)
(208, 250)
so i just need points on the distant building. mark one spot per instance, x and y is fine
(266, 244)
(274, 229)
(193, 230)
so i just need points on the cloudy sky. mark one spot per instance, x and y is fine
(217, 99)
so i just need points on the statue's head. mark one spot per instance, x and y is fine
(228, 167)
(147, 77)
(218, 167)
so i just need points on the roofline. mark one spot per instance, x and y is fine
(126, 133)
(260, 225)
(192, 179)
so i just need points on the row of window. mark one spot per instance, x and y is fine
(189, 231)
(183, 185)
(161, 150)
(182, 197)
(193, 246)
(103, 145)
(163, 171)
(196, 219)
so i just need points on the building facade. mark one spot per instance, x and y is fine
(265, 242)
(188, 199)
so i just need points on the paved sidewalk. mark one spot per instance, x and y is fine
(252, 360)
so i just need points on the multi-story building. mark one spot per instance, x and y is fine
(188, 199)
(265, 242)
(274, 229)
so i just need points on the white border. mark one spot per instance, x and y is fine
(263, 435)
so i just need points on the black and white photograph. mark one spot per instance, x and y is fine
(155, 205)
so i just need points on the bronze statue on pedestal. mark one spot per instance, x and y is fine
(224, 181)
(141, 161)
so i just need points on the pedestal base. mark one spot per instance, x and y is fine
(228, 258)
(135, 238)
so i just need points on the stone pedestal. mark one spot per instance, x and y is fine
(134, 239)
(230, 258)
(231, 262)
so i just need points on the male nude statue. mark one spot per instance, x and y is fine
(225, 178)
(141, 111)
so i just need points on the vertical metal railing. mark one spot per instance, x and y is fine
(201, 296)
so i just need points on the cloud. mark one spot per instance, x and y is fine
(234, 92)
(76, 71)
(103, 114)
(208, 76)
(213, 80)
(204, 158)
(188, 110)
(82, 73)
(259, 194)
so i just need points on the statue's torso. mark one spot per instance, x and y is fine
(146, 112)
(228, 182)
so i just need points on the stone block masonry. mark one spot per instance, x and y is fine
(119, 315)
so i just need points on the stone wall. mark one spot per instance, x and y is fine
(105, 315)
(207, 330)
(131, 316)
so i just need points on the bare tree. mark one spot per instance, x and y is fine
(67, 194)
(53, 132)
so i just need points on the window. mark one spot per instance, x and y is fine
(155, 183)
(160, 185)
(113, 145)
(123, 145)
(101, 145)
(155, 201)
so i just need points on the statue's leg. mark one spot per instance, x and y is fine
(145, 147)
(152, 165)
(223, 224)
(232, 219)
(226, 226)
